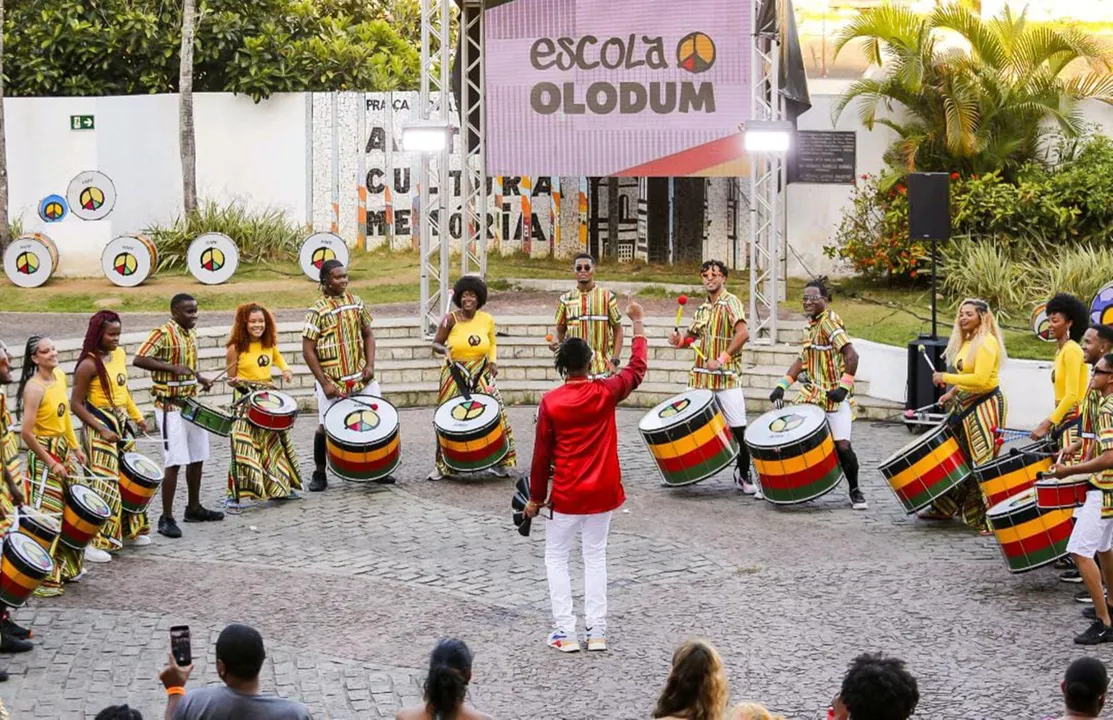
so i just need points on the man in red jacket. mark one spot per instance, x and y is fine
(577, 445)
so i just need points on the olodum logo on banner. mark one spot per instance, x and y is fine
(695, 53)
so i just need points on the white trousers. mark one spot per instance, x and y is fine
(560, 532)
(186, 443)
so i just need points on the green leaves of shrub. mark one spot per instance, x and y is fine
(262, 236)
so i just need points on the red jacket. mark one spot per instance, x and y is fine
(577, 441)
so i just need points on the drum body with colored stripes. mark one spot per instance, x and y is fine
(470, 433)
(362, 438)
(24, 564)
(215, 420)
(1014, 473)
(1053, 494)
(84, 514)
(794, 454)
(43, 529)
(271, 410)
(927, 468)
(140, 478)
(688, 438)
(1028, 536)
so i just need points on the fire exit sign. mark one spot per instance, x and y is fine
(82, 122)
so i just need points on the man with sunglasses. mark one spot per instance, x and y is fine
(591, 313)
(718, 333)
(1093, 530)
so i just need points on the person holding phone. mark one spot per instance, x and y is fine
(239, 658)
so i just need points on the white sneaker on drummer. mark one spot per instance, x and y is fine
(138, 541)
(96, 555)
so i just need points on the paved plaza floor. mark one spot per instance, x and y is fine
(351, 589)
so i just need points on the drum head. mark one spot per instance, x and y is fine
(319, 247)
(1021, 501)
(922, 439)
(1101, 309)
(90, 500)
(364, 421)
(273, 402)
(675, 410)
(213, 258)
(31, 552)
(143, 466)
(49, 522)
(91, 195)
(29, 261)
(785, 426)
(127, 261)
(458, 415)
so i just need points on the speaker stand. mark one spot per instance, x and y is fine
(934, 269)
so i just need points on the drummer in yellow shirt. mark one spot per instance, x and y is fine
(466, 338)
(264, 462)
(1067, 321)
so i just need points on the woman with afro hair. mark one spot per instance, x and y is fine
(1067, 320)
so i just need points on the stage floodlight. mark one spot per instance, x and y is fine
(768, 136)
(425, 136)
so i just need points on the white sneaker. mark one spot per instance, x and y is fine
(560, 641)
(96, 555)
(139, 541)
(500, 472)
(758, 494)
(596, 641)
(435, 475)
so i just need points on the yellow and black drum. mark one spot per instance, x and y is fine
(31, 260)
(362, 438)
(688, 438)
(129, 260)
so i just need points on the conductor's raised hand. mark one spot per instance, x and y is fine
(634, 311)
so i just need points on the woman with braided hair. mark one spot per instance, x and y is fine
(102, 401)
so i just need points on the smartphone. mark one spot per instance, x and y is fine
(179, 645)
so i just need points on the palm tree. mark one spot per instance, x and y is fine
(185, 108)
(978, 107)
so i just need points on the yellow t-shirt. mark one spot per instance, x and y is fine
(255, 364)
(472, 339)
(977, 372)
(1070, 377)
(53, 418)
(117, 368)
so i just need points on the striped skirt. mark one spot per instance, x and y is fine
(264, 463)
(104, 460)
(48, 495)
(484, 384)
(979, 438)
(9, 456)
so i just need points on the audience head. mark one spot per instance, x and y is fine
(573, 358)
(877, 688)
(239, 654)
(752, 711)
(697, 686)
(119, 712)
(448, 678)
(1084, 686)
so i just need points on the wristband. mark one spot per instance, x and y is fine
(176, 690)
(785, 383)
(724, 358)
(847, 381)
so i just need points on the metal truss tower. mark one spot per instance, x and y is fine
(473, 140)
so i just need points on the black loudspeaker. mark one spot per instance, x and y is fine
(920, 392)
(929, 206)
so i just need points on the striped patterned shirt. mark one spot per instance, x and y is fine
(713, 328)
(593, 317)
(336, 324)
(1090, 407)
(172, 344)
(1104, 443)
(9, 443)
(821, 352)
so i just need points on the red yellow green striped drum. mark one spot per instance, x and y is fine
(1028, 536)
(1053, 493)
(23, 566)
(926, 468)
(82, 517)
(140, 478)
(688, 438)
(470, 433)
(794, 454)
(41, 528)
(362, 439)
(1013, 473)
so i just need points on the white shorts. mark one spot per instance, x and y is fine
(186, 443)
(323, 403)
(1092, 534)
(840, 421)
(733, 403)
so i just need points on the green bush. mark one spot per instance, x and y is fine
(873, 234)
(261, 236)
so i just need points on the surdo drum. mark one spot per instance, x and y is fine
(926, 468)
(470, 433)
(30, 260)
(129, 260)
(23, 567)
(362, 439)
(1028, 536)
(41, 528)
(212, 258)
(1013, 473)
(319, 248)
(271, 410)
(794, 454)
(140, 478)
(82, 517)
(688, 438)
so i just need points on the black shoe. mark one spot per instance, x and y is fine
(201, 514)
(1090, 613)
(1097, 633)
(319, 481)
(858, 500)
(9, 644)
(8, 627)
(3, 676)
(1083, 597)
(1070, 576)
(1064, 563)
(169, 528)
(388, 480)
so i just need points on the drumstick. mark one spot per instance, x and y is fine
(681, 302)
(924, 354)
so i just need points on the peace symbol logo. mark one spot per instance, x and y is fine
(320, 255)
(264, 360)
(125, 264)
(61, 409)
(474, 340)
(361, 420)
(674, 408)
(212, 259)
(266, 400)
(121, 380)
(696, 52)
(27, 263)
(467, 410)
(785, 423)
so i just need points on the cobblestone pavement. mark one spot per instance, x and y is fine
(352, 587)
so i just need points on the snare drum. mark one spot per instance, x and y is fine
(794, 454)
(688, 438)
(362, 438)
(23, 566)
(43, 529)
(140, 478)
(82, 517)
(215, 420)
(271, 410)
(1013, 473)
(470, 433)
(926, 468)
(1028, 536)
(1052, 494)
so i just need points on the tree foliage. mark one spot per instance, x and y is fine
(253, 47)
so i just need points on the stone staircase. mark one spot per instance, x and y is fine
(410, 373)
